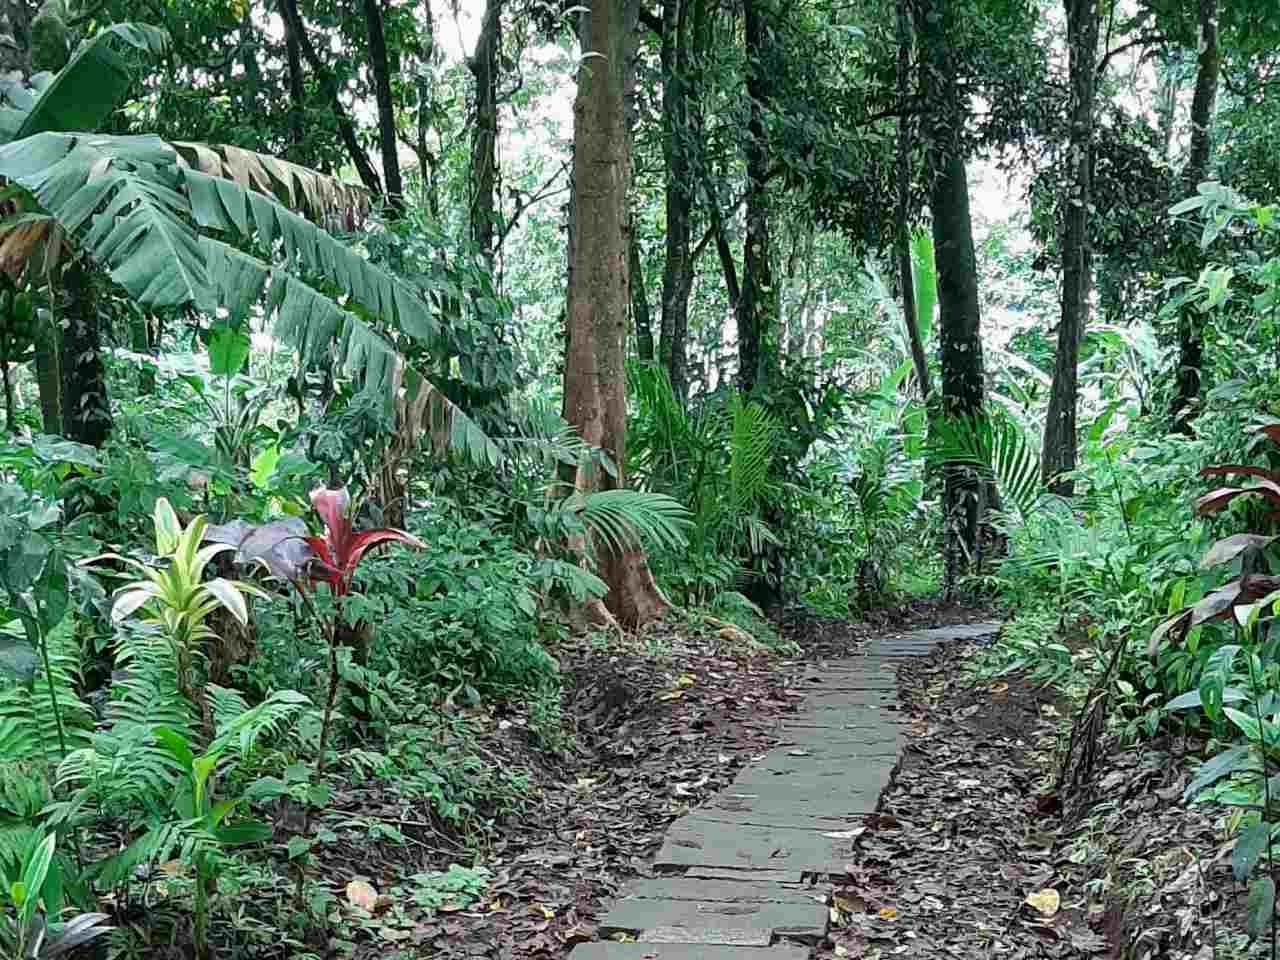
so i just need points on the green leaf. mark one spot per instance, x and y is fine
(299, 846)
(248, 831)
(33, 876)
(84, 93)
(168, 528)
(1231, 761)
(230, 596)
(177, 745)
(1250, 845)
(18, 657)
(228, 350)
(1261, 907)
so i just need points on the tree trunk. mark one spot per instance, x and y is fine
(677, 273)
(484, 135)
(86, 409)
(757, 301)
(906, 276)
(595, 400)
(381, 67)
(297, 92)
(1059, 448)
(346, 129)
(1208, 66)
(958, 304)
(640, 305)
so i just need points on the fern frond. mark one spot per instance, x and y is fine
(997, 448)
(239, 726)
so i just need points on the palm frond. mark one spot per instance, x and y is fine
(624, 519)
(751, 441)
(997, 448)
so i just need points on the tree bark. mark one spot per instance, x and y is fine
(86, 408)
(595, 401)
(906, 276)
(1208, 67)
(677, 275)
(484, 135)
(1058, 454)
(958, 305)
(757, 301)
(346, 129)
(640, 306)
(297, 90)
(381, 67)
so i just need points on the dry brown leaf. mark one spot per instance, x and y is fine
(1045, 902)
(361, 894)
(887, 913)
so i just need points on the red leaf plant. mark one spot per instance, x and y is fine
(288, 551)
(1248, 587)
(340, 550)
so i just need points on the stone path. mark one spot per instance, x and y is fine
(735, 880)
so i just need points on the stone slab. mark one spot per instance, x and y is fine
(816, 747)
(790, 878)
(685, 951)
(768, 804)
(708, 908)
(703, 843)
(962, 631)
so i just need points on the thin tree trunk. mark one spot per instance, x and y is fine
(346, 129)
(640, 306)
(382, 68)
(428, 161)
(1059, 448)
(677, 274)
(905, 274)
(757, 302)
(595, 398)
(86, 408)
(1170, 84)
(297, 91)
(958, 303)
(1208, 67)
(484, 135)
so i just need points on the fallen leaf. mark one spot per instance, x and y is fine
(362, 894)
(846, 834)
(887, 913)
(1045, 902)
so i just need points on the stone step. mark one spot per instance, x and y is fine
(693, 842)
(724, 912)
(685, 951)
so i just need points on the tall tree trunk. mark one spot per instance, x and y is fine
(906, 276)
(757, 301)
(595, 400)
(1203, 102)
(1169, 74)
(484, 135)
(640, 305)
(1059, 448)
(380, 65)
(677, 273)
(297, 91)
(86, 409)
(958, 305)
(428, 161)
(324, 78)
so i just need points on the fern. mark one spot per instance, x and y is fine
(240, 726)
(28, 725)
(628, 518)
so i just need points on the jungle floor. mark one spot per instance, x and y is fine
(972, 853)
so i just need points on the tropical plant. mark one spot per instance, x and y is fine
(175, 597)
(1253, 583)
(33, 890)
(148, 212)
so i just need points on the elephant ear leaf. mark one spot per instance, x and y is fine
(83, 94)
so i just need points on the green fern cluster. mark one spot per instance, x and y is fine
(28, 721)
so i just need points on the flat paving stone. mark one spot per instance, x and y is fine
(706, 909)
(768, 804)
(819, 748)
(704, 843)
(685, 951)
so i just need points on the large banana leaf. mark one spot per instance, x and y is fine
(131, 205)
(84, 93)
